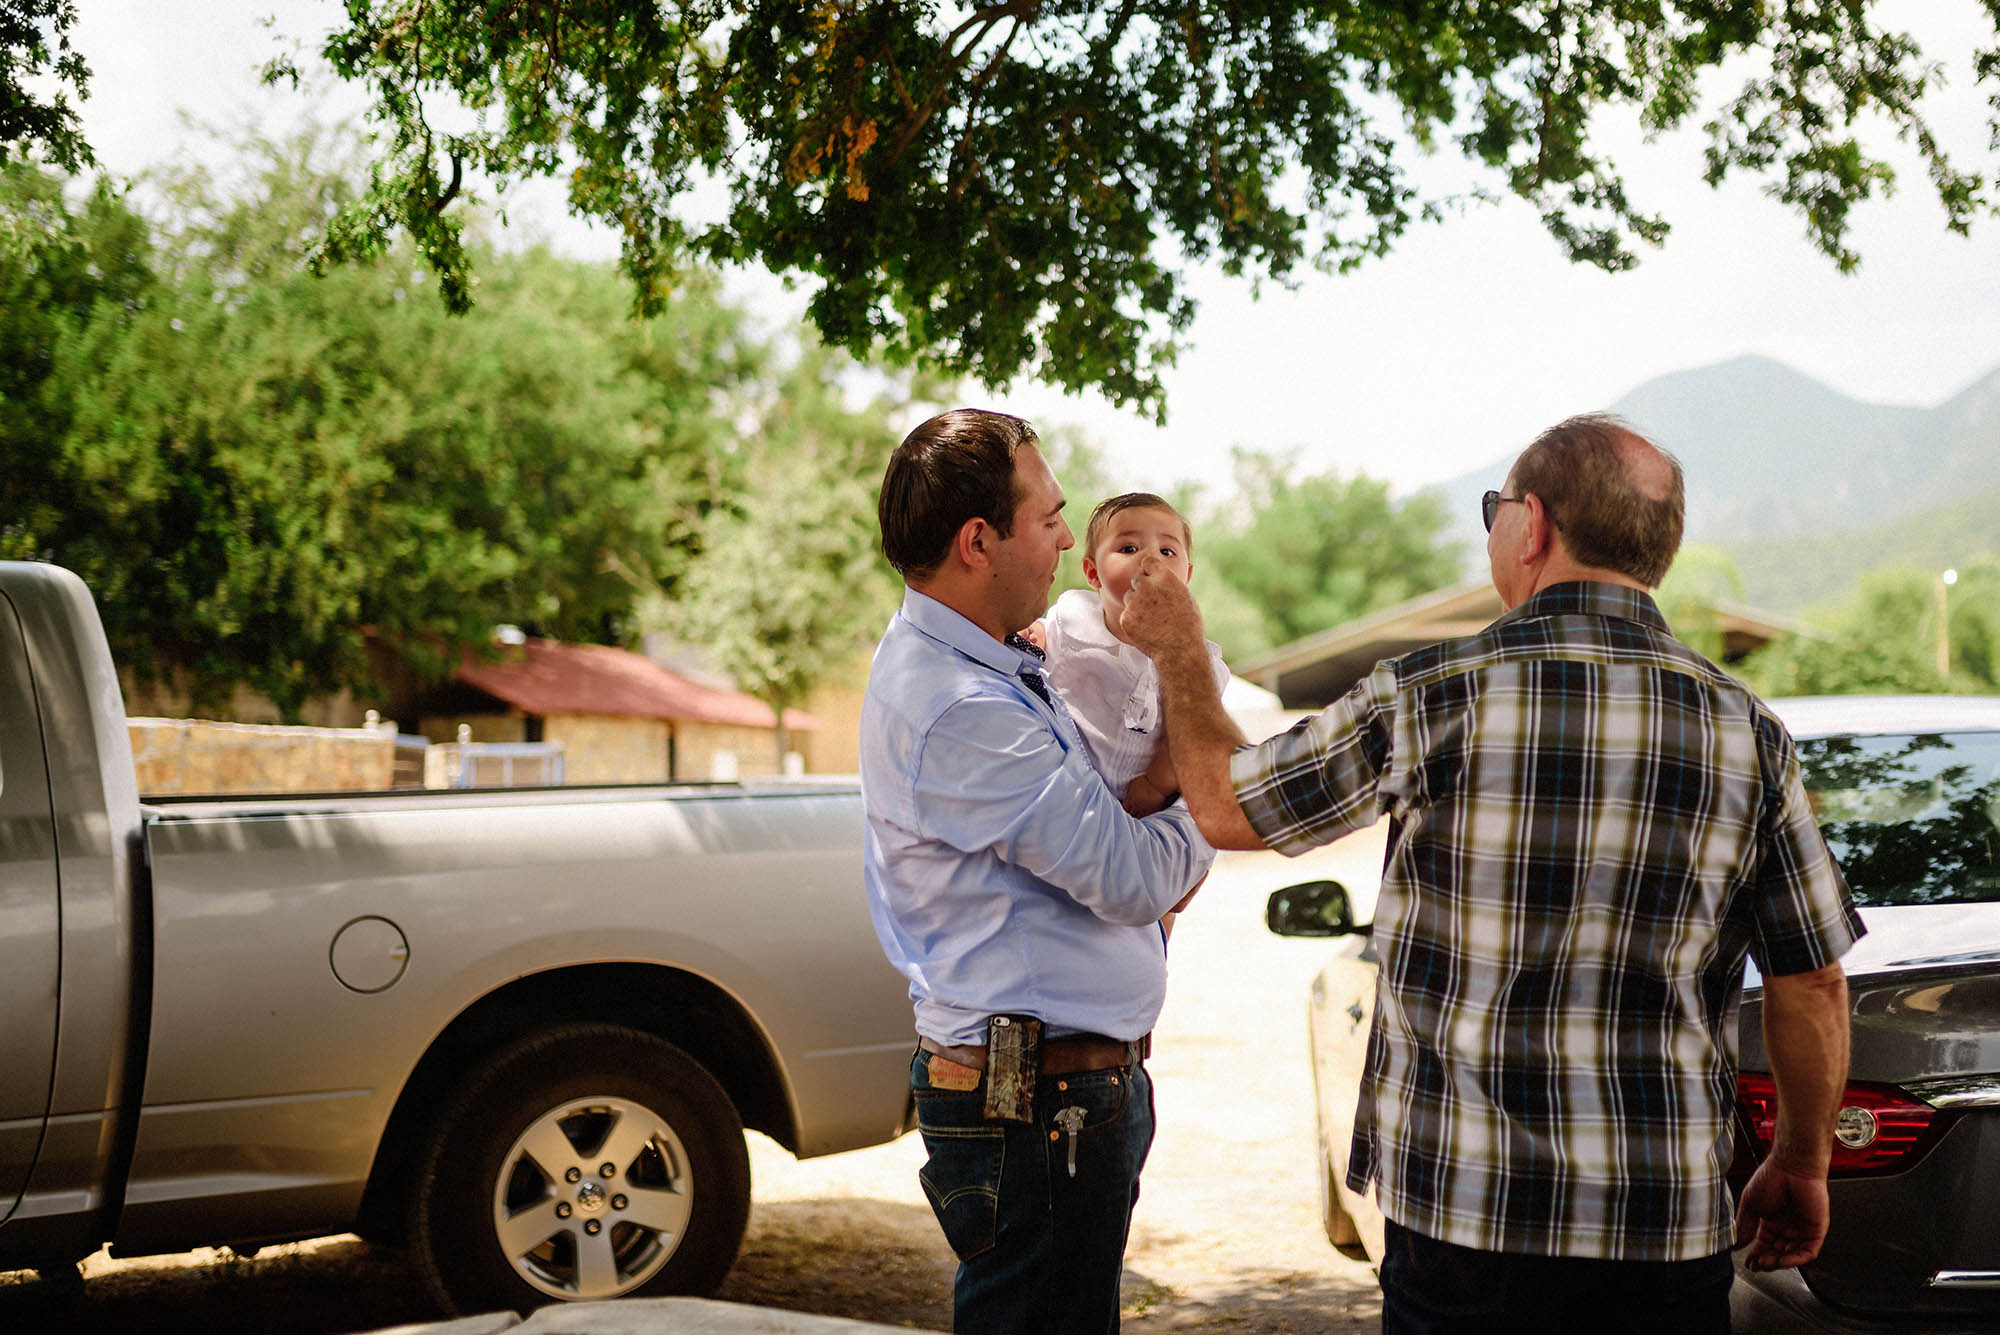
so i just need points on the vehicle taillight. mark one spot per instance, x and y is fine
(1880, 1129)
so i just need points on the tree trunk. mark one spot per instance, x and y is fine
(778, 704)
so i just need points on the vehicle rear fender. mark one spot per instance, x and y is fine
(683, 1008)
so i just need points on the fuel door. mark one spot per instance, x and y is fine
(30, 936)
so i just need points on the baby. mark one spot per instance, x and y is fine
(1111, 688)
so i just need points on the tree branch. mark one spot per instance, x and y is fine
(450, 191)
(1115, 33)
(986, 20)
(979, 84)
(1546, 95)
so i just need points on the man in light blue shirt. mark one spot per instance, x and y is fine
(1009, 886)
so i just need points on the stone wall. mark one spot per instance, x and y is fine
(606, 748)
(727, 751)
(192, 756)
(600, 748)
(195, 756)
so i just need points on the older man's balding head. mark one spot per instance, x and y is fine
(1614, 497)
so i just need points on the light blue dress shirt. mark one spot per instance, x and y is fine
(1002, 874)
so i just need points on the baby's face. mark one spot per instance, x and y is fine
(1130, 537)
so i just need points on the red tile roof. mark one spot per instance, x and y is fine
(547, 677)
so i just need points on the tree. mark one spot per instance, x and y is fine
(790, 582)
(1702, 579)
(1015, 186)
(256, 464)
(1318, 551)
(60, 269)
(35, 49)
(1885, 638)
(1973, 615)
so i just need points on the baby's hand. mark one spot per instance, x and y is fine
(1143, 798)
(1037, 634)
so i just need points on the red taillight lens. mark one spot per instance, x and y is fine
(1881, 1129)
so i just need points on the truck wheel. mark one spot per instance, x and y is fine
(590, 1161)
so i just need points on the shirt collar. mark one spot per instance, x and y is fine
(953, 630)
(1083, 623)
(1082, 616)
(1591, 598)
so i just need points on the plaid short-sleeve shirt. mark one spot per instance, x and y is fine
(1592, 826)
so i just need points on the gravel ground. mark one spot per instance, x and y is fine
(1227, 1236)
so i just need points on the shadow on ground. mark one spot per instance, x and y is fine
(325, 1287)
(868, 1260)
(872, 1260)
(1266, 1304)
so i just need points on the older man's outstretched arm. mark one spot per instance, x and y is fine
(1162, 620)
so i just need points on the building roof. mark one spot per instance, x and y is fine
(1314, 671)
(548, 677)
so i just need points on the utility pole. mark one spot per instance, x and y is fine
(1944, 582)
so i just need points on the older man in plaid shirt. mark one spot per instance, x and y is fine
(1592, 825)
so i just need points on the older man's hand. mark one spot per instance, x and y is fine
(1160, 614)
(1782, 1216)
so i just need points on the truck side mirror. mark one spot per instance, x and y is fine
(1312, 908)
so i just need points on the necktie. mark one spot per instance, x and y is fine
(1030, 678)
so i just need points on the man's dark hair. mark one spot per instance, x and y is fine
(1101, 517)
(1584, 471)
(956, 467)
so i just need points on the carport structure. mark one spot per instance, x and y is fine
(1313, 671)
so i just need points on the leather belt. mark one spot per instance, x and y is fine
(1060, 1056)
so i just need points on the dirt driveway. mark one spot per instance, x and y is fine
(1227, 1236)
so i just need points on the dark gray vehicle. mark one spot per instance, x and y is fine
(1907, 790)
(521, 1032)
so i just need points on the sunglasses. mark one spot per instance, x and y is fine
(1489, 506)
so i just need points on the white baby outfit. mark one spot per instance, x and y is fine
(1111, 688)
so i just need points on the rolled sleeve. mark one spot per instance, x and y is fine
(1319, 780)
(992, 777)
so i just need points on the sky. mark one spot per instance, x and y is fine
(1447, 356)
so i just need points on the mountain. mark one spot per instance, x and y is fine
(1779, 465)
(1771, 453)
(1789, 574)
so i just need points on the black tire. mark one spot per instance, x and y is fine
(494, 1228)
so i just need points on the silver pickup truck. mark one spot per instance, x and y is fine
(519, 1032)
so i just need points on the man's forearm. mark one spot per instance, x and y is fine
(1806, 1037)
(1201, 737)
(1161, 619)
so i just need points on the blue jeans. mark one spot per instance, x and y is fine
(1039, 1252)
(1435, 1288)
